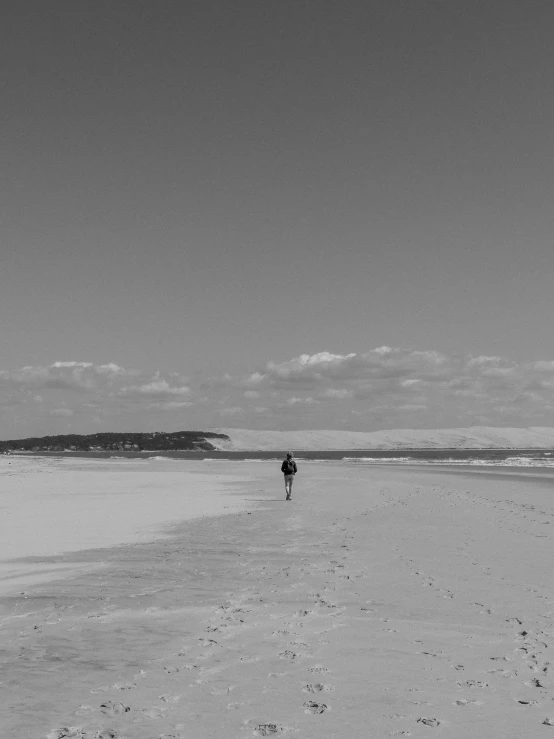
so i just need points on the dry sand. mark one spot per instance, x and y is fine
(380, 602)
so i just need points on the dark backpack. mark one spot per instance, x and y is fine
(288, 467)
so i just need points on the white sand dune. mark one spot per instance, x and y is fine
(474, 437)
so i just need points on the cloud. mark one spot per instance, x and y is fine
(157, 388)
(405, 387)
(230, 411)
(73, 376)
(66, 388)
(381, 388)
(338, 393)
(301, 401)
(169, 405)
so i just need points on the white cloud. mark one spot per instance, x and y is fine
(169, 405)
(543, 366)
(384, 387)
(113, 369)
(402, 387)
(69, 365)
(338, 393)
(255, 378)
(157, 388)
(230, 411)
(79, 377)
(301, 401)
(383, 350)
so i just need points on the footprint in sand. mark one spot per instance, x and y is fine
(528, 703)
(429, 721)
(170, 698)
(534, 683)
(107, 734)
(71, 732)
(207, 642)
(318, 670)
(153, 713)
(316, 688)
(503, 673)
(314, 707)
(267, 729)
(114, 709)
(472, 684)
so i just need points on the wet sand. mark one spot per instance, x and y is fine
(61, 504)
(382, 601)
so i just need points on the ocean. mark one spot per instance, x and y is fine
(448, 457)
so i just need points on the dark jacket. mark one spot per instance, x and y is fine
(289, 467)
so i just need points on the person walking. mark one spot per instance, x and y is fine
(289, 469)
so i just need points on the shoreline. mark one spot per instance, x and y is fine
(382, 601)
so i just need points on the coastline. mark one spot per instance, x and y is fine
(383, 601)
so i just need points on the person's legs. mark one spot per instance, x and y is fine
(288, 486)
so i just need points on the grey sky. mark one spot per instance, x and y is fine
(202, 188)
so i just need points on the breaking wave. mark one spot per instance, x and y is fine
(518, 461)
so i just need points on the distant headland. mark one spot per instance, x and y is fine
(237, 440)
(115, 441)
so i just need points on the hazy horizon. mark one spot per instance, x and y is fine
(276, 216)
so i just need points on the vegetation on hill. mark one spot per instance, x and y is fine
(147, 442)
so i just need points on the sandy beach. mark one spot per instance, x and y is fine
(52, 505)
(382, 601)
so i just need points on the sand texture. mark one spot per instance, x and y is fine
(380, 602)
(52, 505)
(475, 437)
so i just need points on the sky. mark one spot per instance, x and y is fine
(304, 214)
